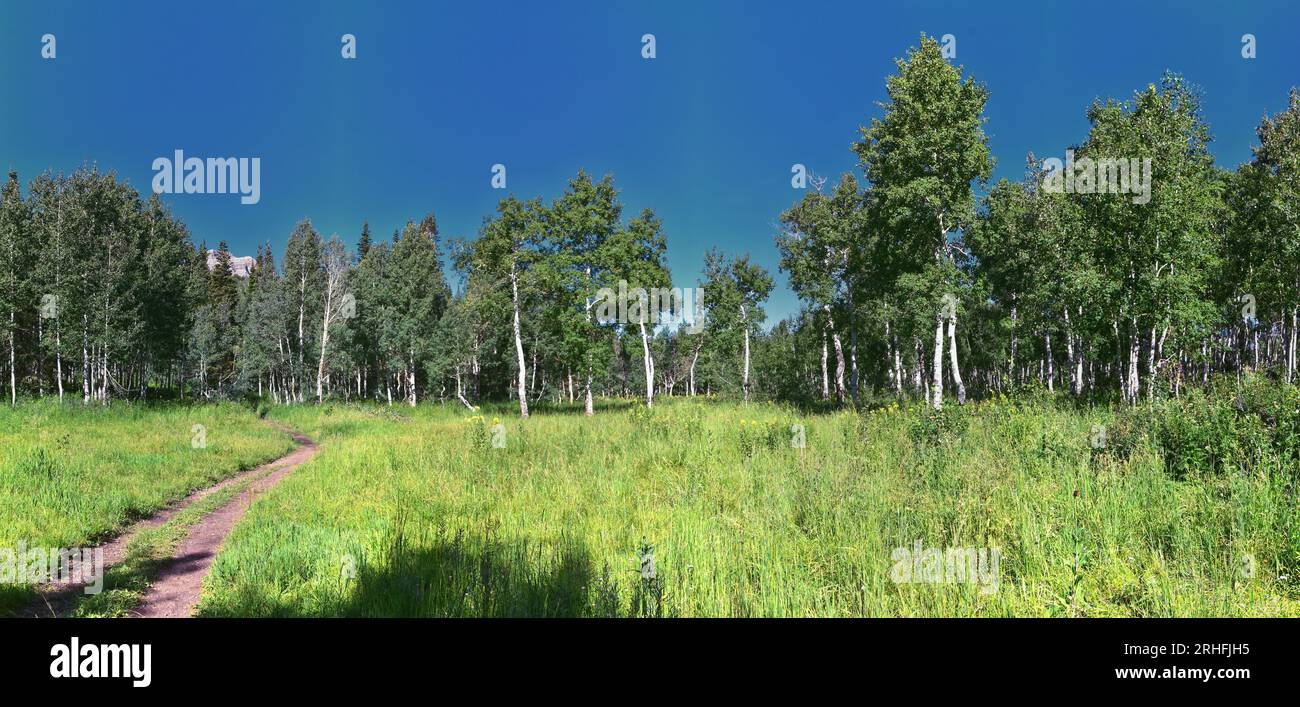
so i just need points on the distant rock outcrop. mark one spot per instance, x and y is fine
(240, 265)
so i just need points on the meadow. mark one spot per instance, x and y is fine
(72, 476)
(1178, 508)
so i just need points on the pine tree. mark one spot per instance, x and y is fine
(363, 246)
(419, 297)
(14, 267)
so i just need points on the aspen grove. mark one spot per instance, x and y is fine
(918, 278)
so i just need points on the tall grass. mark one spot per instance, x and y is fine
(69, 476)
(416, 513)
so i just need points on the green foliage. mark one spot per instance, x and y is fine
(555, 524)
(756, 435)
(70, 477)
(938, 427)
(1228, 430)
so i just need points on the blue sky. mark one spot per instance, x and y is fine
(705, 133)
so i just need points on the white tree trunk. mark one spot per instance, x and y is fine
(918, 376)
(410, 379)
(649, 366)
(85, 361)
(521, 384)
(952, 354)
(1133, 387)
(1047, 359)
(302, 314)
(1074, 349)
(839, 354)
(936, 391)
(744, 380)
(826, 378)
(336, 266)
(1151, 364)
(898, 367)
(58, 360)
(1015, 343)
(695, 358)
(13, 375)
(1291, 349)
(324, 344)
(894, 359)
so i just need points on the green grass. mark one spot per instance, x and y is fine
(414, 513)
(125, 583)
(72, 476)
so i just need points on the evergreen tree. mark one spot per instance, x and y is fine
(14, 266)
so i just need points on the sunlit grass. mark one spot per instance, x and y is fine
(71, 476)
(415, 513)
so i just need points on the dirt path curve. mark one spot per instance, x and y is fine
(58, 599)
(175, 590)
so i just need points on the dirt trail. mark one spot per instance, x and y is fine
(183, 574)
(175, 591)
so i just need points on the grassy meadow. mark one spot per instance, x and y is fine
(71, 476)
(1183, 509)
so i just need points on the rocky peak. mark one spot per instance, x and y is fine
(240, 265)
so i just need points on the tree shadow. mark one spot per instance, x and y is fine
(469, 576)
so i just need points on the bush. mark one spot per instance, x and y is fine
(1130, 431)
(938, 427)
(1247, 428)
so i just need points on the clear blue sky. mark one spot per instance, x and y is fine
(705, 133)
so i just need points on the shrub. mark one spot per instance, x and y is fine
(938, 427)
(1228, 429)
(1130, 430)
